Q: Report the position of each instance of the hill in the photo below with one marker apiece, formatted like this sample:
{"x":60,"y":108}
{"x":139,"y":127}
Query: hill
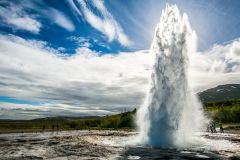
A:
{"x":221,"y":93}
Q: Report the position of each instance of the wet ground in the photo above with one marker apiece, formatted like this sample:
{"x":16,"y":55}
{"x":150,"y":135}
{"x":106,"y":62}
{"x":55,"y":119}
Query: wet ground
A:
{"x":110,"y":145}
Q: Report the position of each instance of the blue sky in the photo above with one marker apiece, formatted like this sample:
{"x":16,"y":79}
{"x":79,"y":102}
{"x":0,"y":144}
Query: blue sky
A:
{"x":81,"y":57}
{"x":213,"y":21}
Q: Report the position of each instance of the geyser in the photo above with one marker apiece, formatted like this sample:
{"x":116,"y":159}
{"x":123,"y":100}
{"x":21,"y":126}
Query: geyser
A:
{"x":171,"y":113}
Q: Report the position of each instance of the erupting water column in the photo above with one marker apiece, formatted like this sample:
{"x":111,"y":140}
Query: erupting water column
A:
{"x":171,"y":113}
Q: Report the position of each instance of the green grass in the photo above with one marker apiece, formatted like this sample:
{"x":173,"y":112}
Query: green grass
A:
{"x":224,"y":111}
{"x":118,"y":121}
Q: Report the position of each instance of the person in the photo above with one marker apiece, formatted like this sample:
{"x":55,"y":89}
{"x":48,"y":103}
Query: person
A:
{"x":57,"y":127}
{"x":221,"y":128}
{"x":213,"y":127}
{"x":43,"y":128}
{"x":208,"y":127}
{"x":53,"y":126}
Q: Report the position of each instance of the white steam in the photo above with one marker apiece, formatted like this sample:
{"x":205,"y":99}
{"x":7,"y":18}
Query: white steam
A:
{"x":171,"y":113}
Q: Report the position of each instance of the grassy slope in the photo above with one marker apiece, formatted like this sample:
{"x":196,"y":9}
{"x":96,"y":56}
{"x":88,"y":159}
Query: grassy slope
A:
{"x":118,"y":121}
{"x":224,"y":111}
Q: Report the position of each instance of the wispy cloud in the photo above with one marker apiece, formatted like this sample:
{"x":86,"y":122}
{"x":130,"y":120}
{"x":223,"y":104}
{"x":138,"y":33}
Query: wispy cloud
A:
{"x":105,"y":22}
{"x":54,"y":16}
{"x":60,"y":19}
{"x":81,"y":41}
{"x":15,"y":16}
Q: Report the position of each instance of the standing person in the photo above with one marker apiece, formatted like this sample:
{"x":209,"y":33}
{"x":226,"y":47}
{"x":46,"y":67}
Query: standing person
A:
{"x":208,"y":128}
{"x":211,"y":127}
{"x":214,"y":127}
{"x":53,"y":127}
{"x":221,"y":128}
{"x":43,"y":128}
{"x":57,"y":127}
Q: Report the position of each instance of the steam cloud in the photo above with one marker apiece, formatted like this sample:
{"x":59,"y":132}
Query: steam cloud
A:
{"x":171,"y":113}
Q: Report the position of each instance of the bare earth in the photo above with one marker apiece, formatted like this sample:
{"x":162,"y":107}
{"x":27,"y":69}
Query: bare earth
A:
{"x":110,"y":145}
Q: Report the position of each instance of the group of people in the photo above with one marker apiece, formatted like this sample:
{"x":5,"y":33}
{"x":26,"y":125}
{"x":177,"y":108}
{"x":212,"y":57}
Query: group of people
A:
{"x":212,"y":127}
{"x":54,"y":127}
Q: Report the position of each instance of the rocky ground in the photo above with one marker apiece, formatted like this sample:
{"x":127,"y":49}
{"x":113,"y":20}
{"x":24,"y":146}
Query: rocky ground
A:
{"x":110,"y":145}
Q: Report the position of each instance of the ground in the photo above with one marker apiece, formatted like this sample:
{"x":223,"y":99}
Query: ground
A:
{"x":111,"y":145}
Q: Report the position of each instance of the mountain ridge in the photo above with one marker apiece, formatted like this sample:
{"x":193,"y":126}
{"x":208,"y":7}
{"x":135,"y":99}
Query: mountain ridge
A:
{"x":220,"y":93}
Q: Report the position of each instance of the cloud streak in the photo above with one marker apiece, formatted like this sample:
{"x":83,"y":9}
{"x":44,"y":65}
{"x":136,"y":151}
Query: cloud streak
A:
{"x":105,"y":22}
{"x":60,"y":19}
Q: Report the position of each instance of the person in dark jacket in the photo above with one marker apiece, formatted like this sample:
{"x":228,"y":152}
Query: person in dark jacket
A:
{"x":221,"y":128}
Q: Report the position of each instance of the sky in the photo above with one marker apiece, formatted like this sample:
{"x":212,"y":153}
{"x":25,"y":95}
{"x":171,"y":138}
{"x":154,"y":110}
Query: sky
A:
{"x":91,"y":57}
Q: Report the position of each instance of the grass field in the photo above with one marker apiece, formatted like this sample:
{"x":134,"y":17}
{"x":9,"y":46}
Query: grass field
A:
{"x":118,"y":121}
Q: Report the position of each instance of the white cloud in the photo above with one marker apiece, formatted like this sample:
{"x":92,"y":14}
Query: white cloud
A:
{"x":53,"y":16}
{"x":220,"y":59}
{"x":60,"y":19}
{"x":219,"y":65}
{"x":28,"y":111}
{"x":15,"y":16}
{"x":74,"y":8}
{"x":81,"y":41}
{"x":30,"y":70}
{"x":104,"y":22}
{"x":99,"y":84}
